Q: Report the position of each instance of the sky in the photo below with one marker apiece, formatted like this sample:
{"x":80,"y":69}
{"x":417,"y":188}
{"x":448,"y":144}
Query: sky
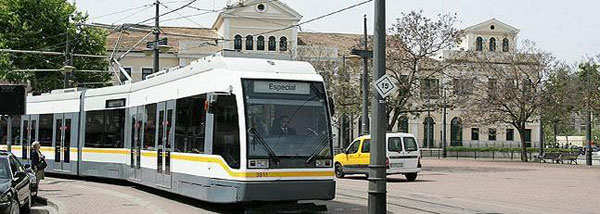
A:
{"x":569,"y":29}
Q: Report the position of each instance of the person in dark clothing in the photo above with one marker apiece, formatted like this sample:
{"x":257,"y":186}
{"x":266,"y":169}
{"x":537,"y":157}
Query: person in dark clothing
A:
{"x":283,"y":128}
{"x":36,"y":158}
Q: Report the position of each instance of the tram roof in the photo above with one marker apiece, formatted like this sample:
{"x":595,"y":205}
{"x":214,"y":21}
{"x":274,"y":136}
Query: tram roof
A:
{"x":215,"y":63}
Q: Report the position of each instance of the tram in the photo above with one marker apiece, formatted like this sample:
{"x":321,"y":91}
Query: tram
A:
{"x":222,"y":129}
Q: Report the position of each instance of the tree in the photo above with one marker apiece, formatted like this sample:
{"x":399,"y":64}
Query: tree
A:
{"x":45,"y":25}
{"x":414,"y":42}
{"x":507,"y":87}
{"x":560,"y":99}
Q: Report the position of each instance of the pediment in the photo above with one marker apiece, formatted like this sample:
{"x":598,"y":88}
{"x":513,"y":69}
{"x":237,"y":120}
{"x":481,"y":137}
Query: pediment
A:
{"x":492,"y":26}
{"x":272,"y":9}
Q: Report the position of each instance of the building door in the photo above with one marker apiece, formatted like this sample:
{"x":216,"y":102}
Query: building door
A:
{"x":65,"y":138}
{"x":165,"y":119}
{"x":456,"y":132}
{"x":428,"y":132}
{"x":135,"y":147}
{"x":29,"y":127}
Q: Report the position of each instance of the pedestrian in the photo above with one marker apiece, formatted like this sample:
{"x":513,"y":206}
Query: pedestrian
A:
{"x":38,"y":162}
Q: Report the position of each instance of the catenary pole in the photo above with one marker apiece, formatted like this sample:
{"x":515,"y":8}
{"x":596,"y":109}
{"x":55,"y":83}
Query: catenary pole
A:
{"x":377,"y":166}
{"x":365,"y":86}
{"x":156,"y":38}
{"x":588,"y":153}
{"x":444,"y":131}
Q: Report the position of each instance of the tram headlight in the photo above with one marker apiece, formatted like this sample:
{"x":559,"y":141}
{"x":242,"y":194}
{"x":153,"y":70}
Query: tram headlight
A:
{"x":258,"y":163}
{"x":324,"y":163}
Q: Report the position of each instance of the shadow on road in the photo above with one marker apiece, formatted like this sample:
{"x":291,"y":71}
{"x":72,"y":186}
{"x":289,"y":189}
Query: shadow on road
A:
{"x":389,"y":179}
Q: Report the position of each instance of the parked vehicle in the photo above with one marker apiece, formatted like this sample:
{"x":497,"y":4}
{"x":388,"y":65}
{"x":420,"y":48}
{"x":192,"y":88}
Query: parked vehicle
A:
{"x":402,"y":156}
{"x":15,"y":185}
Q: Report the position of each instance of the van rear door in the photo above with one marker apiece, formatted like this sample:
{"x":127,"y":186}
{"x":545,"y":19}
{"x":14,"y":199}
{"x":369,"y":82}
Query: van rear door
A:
{"x":411,"y":152}
{"x":395,"y":152}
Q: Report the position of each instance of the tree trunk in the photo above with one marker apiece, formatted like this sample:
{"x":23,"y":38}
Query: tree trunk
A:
{"x":555,"y":134}
{"x":523,"y":146}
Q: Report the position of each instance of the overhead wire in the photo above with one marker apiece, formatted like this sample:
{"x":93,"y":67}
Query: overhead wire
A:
{"x":168,"y":12}
{"x":121,"y":11}
{"x":165,"y":6}
{"x":209,"y":11}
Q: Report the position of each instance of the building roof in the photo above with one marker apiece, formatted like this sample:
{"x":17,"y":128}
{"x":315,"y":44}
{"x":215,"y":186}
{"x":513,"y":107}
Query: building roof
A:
{"x":493,"y":21}
{"x":344,"y":42}
{"x":130,"y":38}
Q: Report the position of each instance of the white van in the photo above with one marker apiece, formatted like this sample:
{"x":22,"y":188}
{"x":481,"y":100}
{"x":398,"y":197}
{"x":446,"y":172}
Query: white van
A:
{"x":403,"y":156}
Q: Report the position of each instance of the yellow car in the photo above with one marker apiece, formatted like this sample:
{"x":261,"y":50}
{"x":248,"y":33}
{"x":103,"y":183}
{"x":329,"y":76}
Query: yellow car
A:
{"x":403,"y":156}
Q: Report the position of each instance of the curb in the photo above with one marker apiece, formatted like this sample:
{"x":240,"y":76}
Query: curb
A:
{"x":49,"y":206}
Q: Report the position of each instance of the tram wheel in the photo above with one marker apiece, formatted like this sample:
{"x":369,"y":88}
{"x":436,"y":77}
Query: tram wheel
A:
{"x":339,"y":171}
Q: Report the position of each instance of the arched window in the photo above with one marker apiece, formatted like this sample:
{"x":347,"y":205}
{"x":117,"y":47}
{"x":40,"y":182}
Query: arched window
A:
{"x":272,"y":43}
{"x":283,"y":44}
{"x":237,"y":42}
{"x":479,"y":44}
{"x":428,"y":132}
{"x":260,"y":43}
{"x":403,"y":124}
{"x":249,"y":42}
{"x":456,"y":132}
{"x":492,"y":44}
{"x":505,"y":45}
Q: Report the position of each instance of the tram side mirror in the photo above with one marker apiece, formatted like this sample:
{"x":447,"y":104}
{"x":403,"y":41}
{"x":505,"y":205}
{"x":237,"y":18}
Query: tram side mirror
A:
{"x":331,"y":106}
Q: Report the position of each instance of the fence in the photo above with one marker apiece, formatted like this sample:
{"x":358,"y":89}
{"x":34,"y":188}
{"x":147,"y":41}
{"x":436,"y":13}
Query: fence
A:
{"x":478,"y":144}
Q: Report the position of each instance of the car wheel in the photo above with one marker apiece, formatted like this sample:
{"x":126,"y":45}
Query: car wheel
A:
{"x":339,"y":171}
{"x":27,"y":207}
{"x":411,"y":176}
{"x":14,"y":207}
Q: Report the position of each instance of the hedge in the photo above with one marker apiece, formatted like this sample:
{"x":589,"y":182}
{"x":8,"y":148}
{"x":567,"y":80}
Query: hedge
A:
{"x":494,"y":149}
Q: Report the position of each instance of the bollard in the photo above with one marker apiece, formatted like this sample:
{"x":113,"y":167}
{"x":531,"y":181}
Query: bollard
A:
{"x":475,"y":155}
{"x":456,"y":154}
{"x":511,"y":154}
{"x":493,"y":155}
{"x":438,"y":154}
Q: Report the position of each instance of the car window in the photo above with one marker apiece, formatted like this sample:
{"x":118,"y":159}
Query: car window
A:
{"x":13,"y":166}
{"x":4,"y":171}
{"x":366,"y":146}
{"x":353,"y":148}
{"x":410,"y":144}
{"x":394,"y":144}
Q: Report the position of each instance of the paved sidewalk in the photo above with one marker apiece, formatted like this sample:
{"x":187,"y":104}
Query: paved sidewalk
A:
{"x":80,"y":196}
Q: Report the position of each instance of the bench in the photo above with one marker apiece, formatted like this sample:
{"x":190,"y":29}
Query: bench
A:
{"x":553,"y":156}
{"x":570,"y":157}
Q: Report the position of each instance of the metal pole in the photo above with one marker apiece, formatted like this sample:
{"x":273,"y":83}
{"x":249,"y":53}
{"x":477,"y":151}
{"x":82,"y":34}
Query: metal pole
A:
{"x":67,"y":58}
{"x":541,"y":136}
{"x":444,"y":133}
{"x":588,"y":154}
{"x":156,"y":38}
{"x":377,"y":166}
{"x":365,"y":87}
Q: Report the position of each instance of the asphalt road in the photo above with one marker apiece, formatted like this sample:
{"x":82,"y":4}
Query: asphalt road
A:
{"x":445,"y":186}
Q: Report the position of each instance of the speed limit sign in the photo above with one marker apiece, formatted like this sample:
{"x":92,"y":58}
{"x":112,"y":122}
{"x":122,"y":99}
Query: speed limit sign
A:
{"x":385,"y":86}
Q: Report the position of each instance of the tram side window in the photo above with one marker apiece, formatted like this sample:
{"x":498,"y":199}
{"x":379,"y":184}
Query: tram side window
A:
{"x":149,"y":127}
{"x":105,"y":129}
{"x":45,"y":136}
{"x":226,"y":131}
{"x":189,"y":129}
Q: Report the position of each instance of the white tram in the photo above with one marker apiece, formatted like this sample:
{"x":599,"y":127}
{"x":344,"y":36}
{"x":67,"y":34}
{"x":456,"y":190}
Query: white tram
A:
{"x":222,"y":130}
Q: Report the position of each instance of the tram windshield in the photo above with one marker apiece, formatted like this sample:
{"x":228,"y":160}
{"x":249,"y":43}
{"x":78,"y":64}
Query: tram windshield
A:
{"x":287,"y":122}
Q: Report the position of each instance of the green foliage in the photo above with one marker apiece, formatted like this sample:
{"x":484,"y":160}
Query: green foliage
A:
{"x":494,"y":149}
{"x":44,"y":25}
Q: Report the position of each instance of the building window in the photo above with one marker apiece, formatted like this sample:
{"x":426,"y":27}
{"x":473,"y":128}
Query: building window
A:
{"x":272,"y":43}
{"x":189,"y":129}
{"x":492,"y":44}
{"x":510,"y":134}
{"x":491,"y":134}
{"x":492,"y":88}
{"x":283,"y":43}
{"x":146,"y":72}
{"x":456,"y":132}
{"x":462,"y":87}
{"x":249,"y":42}
{"x":260,"y":43}
{"x":237,"y":42}
{"x":475,"y":134}
{"x":528,"y":137}
{"x":505,"y":45}
{"x":479,"y":44}
{"x":430,"y":88}
{"x":403,"y":124}
{"x":428,"y":132}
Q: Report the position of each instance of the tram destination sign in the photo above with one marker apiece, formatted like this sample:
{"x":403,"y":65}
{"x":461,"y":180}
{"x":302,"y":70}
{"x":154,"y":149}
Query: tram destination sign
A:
{"x":277,"y":87}
{"x":12,"y":98}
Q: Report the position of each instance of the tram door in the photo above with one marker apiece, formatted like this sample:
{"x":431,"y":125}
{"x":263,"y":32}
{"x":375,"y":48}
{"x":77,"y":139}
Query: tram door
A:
{"x":166,"y":120}
{"x":65,"y":137}
{"x":135,"y":148}
{"x":29,"y":128}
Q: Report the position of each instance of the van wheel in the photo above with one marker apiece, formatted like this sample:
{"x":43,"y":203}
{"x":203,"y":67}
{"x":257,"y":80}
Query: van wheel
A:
{"x":339,"y":171}
{"x":411,"y":176}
